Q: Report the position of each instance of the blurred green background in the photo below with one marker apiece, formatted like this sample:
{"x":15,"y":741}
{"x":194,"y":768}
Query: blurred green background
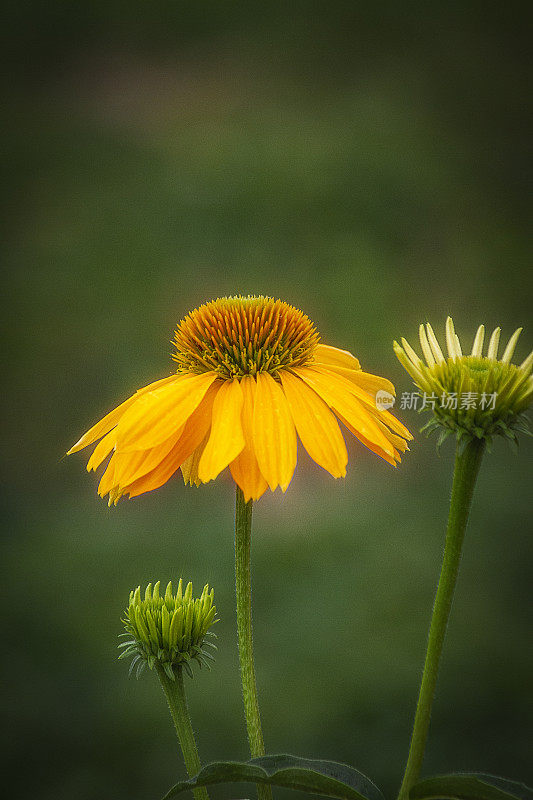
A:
{"x":367,"y":163}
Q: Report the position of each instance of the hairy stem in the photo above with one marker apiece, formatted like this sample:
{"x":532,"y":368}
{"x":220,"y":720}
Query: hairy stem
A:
{"x":243,"y":587}
{"x":177,"y":703}
{"x":467,"y":463}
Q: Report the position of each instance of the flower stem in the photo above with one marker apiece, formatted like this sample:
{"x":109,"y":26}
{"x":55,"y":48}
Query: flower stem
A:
{"x":467,"y":463}
{"x":175,"y":694}
{"x":243,"y":587}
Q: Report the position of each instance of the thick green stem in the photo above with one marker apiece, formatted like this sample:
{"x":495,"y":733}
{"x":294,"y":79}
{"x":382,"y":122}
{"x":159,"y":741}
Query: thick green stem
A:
{"x":175,"y":693}
{"x":243,"y":587}
{"x":467,"y":463}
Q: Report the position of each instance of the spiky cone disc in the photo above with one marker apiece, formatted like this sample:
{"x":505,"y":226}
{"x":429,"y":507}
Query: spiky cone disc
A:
{"x":168,"y":630}
{"x":474,"y":396}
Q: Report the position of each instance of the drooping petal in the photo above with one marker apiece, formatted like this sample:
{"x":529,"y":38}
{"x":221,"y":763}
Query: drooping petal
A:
{"x":332,"y":356}
{"x":365,"y":380}
{"x":178,"y":447}
{"x":226,"y":439}
{"x":107,"y":481}
{"x":398,"y":442}
{"x":394,"y":424}
{"x":133,"y":464}
{"x":111,"y":420}
{"x":155,"y":416}
{"x":194,"y":434}
{"x":387,"y":456}
{"x":153,"y":480}
{"x":316,"y":426}
{"x":338,"y":394}
{"x":367,"y":399}
{"x":245,"y":469}
{"x":274,"y":434}
{"x":189,"y":468}
{"x":101,"y":451}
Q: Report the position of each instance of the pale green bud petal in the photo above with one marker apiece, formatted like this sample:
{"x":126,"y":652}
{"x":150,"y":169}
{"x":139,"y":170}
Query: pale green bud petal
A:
{"x":493,"y":344}
{"x":509,"y":350}
{"x":426,"y":349}
{"x":527,"y":363}
{"x":477,"y":347}
{"x":435,"y":347}
{"x":450,"y":339}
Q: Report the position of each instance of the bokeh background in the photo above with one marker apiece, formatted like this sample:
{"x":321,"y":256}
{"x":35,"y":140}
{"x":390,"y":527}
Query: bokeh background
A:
{"x":368,"y":163}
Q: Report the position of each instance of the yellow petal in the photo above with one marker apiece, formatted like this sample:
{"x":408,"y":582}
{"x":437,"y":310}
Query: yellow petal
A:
{"x":274,"y":434}
{"x":156,"y":416}
{"x":101,"y":451}
{"x":368,"y":400}
{"x":365,"y":380}
{"x":332,"y":356}
{"x":177,"y":448}
{"x":397,"y":441}
{"x":153,"y":480}
{"x":245,"y":469}
{"x":133,"y":464}
{"x":394,"y":424}
{"x":193,"y":435}
{"x":110,"y":420}
{"x":107,"y":481}
{"x":316,"y":426}
{"x":338,"y":394}
{"x":226,"y":439}
{"x":386,"y":456}
{"x":189,"y":468}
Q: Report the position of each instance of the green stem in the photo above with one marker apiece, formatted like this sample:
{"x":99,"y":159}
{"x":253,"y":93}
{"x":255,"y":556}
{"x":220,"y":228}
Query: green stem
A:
{"x":467,"y":463}
{"x":175,"y":693}
{"x":243,"y":587}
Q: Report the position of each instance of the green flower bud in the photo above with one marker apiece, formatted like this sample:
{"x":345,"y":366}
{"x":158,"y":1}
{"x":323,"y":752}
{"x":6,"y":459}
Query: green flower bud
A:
{"x":473,"y":396}
{"x":168,"y":631}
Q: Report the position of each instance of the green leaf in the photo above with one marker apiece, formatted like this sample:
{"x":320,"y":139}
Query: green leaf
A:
{"x":326,"y":778}
{"x":469,"y":786}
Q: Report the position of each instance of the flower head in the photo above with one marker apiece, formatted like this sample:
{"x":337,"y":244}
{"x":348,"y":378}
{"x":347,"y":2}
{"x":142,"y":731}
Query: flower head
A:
{"x":168,"y":631}
{"x":251,"y":374}
{"x":474,"y":396}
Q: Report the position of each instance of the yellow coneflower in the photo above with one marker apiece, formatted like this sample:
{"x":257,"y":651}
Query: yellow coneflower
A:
{"x":473,"y":395}
{"x":251,"y":373}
